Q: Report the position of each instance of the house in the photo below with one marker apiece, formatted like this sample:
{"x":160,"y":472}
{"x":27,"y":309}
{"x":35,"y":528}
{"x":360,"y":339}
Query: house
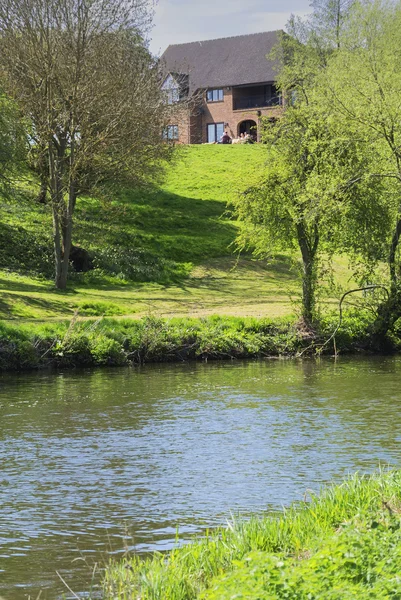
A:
{"x":220,"y":85}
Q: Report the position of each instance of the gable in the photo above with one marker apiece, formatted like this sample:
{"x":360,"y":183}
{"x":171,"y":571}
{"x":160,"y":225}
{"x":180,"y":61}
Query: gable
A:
{"x":170,"y":83}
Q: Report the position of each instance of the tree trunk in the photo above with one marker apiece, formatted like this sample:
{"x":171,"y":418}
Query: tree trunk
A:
{"x":389,"y":311}
{"x":308,"y":251}
{"x":42,"y":195}
{"x":338,"y":24}
{"x":308,"y":291}
{"x":61,"y":216}
{"x":56,"y":202}
{"x":393,"y":250}
{"x":67,"y":235}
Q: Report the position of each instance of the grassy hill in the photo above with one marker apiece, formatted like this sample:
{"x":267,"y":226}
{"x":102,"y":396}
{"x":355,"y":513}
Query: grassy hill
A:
{"x":165,"y":250}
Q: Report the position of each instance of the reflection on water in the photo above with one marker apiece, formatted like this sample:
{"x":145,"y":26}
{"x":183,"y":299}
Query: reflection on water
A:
{"x":92,"y":462}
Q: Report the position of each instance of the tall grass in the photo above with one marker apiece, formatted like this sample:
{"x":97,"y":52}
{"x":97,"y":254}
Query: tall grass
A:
{"x":108,"y":341}
{"x":346,"y":543}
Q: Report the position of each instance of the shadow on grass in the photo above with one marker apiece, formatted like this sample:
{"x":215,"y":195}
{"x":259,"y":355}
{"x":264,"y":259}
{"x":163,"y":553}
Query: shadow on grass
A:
{"x":10,"y":306}
{"x":170,"y":226}
{"x":280,"y":273}
{"x":47,"y":287}
{"x":21,"y":286}
{"x":25,"y":251}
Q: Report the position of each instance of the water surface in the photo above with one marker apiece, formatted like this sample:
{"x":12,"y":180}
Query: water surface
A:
{"x":92,"y":462}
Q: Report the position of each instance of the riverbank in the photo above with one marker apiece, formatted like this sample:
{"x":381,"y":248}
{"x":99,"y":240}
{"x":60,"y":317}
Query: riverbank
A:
{"x":114,"y":342}
{"x":346,"y":543}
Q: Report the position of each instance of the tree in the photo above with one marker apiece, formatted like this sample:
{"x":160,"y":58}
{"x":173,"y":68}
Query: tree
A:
{"x":363,"y":87}
{"x":312,"y":184}
{"x":301,"y":200}
{"x":80,"y":71}
{"x":304,"y":50}
{"x":329,"y":18}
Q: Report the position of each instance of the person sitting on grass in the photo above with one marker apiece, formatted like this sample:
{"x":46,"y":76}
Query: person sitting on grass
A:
{"x":248,"y":139}
{"x":225,"y":139}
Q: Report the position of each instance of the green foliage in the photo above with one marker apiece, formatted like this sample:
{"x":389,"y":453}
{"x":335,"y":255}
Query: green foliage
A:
{"x":361,"y":87}
{"x":151,"y":339}
{"x":354,"y":330}
{"x":303,"y":197}
{"x":359,"y":561}
{"x":100,"y":309}
{"x":25,"y":251}
{"x":106,"y":351}
{"x":344,"y":544}
{"x":137,"y":265}
{"x":12,"y":139}
{"x":155,"y":233}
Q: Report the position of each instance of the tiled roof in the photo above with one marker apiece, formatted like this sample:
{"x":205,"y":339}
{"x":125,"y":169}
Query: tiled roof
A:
{"x":230,"y":61}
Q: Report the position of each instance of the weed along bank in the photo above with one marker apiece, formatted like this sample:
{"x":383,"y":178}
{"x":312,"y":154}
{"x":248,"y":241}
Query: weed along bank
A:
{"x":228,"y":85}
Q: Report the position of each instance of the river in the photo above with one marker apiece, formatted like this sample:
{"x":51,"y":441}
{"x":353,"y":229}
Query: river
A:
{"x":96,"y":463}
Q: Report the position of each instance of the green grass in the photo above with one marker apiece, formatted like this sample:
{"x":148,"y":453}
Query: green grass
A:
{"x":217,"y":286}
{"x":123,"y":341}
{"x":164,"y":251}
{"x":127,"y":341}
{"x":346,"y":543}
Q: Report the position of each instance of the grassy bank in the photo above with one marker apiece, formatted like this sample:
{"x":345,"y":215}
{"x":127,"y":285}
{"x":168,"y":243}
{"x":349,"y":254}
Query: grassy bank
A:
{"x":346,"y":543}
{"x":143,"y":242}
{"x":109,"y":341}
{"x":167,"y":250}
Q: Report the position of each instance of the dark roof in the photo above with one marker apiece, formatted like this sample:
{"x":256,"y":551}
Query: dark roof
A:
{"x":230,"y":61}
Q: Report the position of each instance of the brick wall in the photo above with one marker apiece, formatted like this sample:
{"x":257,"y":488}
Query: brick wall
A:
{"x":193,"y":119}
{"x":222,"y":112}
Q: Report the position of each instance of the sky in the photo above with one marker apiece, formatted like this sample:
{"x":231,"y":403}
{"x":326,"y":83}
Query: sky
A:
{"x":180,"y":21}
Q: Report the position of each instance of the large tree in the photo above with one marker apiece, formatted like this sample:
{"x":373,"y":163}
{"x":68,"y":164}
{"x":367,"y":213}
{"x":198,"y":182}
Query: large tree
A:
{"x":304,"y":196}
{"x":80,"y":71}
{"x":315,"y":195}
{"x":362,"y":86}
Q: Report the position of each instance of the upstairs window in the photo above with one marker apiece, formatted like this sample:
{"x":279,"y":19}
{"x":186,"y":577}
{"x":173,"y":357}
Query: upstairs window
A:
{"x":215,"y":95}
{"x":172,"y":90}
{"x":173,"y":95}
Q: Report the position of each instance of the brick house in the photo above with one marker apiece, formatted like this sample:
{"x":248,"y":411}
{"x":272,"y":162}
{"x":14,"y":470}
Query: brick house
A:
{"x":220,"y":85}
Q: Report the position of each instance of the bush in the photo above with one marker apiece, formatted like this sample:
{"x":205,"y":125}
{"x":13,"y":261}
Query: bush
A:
{"x":119,"y":342}
{"x":26,"y":251}
{"x":106,"y":351}
{"x":98,"y":309}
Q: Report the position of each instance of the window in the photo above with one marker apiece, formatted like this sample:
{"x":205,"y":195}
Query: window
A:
{"x":170,"y":132}
{"x":215,"y":95}
{"x":214,"y":131}
{"x":173,"y":95}
{"x":172,"y":90}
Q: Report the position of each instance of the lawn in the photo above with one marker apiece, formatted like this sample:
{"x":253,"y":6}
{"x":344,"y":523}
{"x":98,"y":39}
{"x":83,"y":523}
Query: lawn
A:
{"x":167,"y":250}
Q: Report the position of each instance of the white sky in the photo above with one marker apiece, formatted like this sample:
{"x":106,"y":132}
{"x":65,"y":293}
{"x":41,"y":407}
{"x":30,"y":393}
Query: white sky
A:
{"x":179,"y":21}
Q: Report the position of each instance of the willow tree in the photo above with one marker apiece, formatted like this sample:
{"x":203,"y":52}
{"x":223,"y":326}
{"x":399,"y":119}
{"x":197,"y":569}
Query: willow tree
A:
{"x":309,"y":185}
{"x":80,"y":71}
{"x":363,"y":87}
{"x":313,"y":185}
